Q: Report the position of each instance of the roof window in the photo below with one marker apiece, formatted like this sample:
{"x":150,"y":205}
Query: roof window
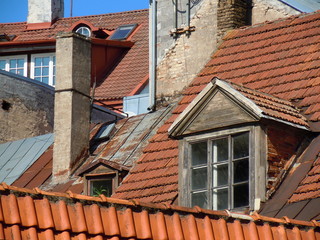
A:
{"x":123,"y":32}
{"x":85,"y":31}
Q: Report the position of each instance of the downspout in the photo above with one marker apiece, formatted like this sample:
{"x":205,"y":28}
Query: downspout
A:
{"x":152,"y":55}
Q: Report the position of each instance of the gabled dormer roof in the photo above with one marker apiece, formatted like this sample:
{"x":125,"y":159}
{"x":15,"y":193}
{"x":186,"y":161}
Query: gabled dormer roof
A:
{"x":236,"y":105}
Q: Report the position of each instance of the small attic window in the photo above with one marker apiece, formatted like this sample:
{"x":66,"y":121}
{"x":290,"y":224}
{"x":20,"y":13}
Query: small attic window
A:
{"x":123,"y":32}
{"x":85,"y":31}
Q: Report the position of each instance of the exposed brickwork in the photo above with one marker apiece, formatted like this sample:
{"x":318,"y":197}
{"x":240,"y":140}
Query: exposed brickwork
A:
{"x":232,"y":14}
{"x":283,"y":143}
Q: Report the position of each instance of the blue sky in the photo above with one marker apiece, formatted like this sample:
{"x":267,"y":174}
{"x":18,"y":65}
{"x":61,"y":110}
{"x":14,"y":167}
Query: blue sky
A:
{"x":17,"y":10}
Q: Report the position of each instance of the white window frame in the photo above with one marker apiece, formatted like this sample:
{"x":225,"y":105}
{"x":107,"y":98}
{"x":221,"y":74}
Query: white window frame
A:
{"x":257,"y":165}
{"x":51,"y":66}
{"x":80,"y":31}
{"x":8,"y":58}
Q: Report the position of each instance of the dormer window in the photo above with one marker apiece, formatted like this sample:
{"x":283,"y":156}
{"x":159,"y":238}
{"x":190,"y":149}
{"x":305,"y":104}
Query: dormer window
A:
{"x":85,"y":31}
{"x":123,"y":32}
{"x":218,"y":168}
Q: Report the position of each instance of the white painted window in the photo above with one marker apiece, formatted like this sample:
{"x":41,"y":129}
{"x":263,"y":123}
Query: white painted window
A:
{"x":43,"y":68}
{"x":85,"y":31}
{"x":15,"y":64}
{"x":219,"y":169}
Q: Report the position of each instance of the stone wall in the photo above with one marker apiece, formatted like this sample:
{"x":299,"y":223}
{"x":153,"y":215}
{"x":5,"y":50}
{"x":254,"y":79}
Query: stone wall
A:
{"x":181,"y":58}
{"x":26,"y":107}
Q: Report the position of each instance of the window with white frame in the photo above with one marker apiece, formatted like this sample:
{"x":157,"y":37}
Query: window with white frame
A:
{"x":220,"y":169}
{"x":14,"y":64}
{"x":43,"y":68}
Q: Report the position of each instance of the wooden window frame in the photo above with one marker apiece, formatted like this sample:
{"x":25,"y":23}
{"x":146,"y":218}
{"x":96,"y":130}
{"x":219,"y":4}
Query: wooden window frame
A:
{"x":257,"y":164}
{"x":89,"y":178}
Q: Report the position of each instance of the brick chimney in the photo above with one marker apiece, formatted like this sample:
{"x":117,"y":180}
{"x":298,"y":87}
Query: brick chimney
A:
{"x":72,"y":103}
{"x":44,"y":11}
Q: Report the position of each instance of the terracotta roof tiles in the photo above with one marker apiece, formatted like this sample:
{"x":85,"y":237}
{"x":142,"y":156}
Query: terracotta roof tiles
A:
{"x":132,"y":68}
{"x":278,"y":59}
{"x":30,"y":214}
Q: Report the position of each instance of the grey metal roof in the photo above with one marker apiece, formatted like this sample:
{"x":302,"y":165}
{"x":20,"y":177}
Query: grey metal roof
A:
{"x":303,"y":5}
{"x":16,"y":157}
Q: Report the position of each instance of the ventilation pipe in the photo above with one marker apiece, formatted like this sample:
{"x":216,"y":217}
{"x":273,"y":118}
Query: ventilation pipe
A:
{"x":152,"y":54}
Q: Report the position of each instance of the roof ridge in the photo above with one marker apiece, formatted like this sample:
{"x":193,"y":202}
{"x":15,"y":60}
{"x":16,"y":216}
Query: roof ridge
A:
{"x":255,"y":217}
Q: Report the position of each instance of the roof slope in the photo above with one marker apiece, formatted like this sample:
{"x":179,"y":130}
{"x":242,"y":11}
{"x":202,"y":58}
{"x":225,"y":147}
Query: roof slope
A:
{"x":280,"y":58}
{"x":125,"y":145}
{"x":34,"y":214}
{"x":133,"y":67}
{"x":16,"y":157}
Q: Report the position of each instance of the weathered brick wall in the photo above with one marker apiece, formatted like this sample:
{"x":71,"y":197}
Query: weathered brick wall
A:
{"x":180,"y":59}
{"x":283,"y":143}
{"x":26,"y":108}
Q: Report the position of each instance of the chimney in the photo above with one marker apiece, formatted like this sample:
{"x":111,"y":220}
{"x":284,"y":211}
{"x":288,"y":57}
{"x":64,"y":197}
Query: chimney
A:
{"x":72,"y":103}
{"x":45,"y":11}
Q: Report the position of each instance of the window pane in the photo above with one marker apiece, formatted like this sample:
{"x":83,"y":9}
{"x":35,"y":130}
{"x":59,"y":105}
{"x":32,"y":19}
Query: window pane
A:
{"x":45,"y":71}
{"x":101,"y":187}
{"x":220,"y":175}
{"x":199,"y":153}
{"x":37,"y":72}
{"x":20,"y":71}
{"x":220,"y":149}
{"x":241,"y":145}
{"x":199,"y":178}
{"x":37,"y":61}
{"x":20,"y":63}
{"x":220,"y":199}
{"x":45,"y":61}
{"x":241,"y":195}
{"x":2,"y":64}
{"x":37,"y":78}
{"x":199,"y":199}
{"x":241,"y":170}
{"x":45,"y":80}
{"x":13,"y":63}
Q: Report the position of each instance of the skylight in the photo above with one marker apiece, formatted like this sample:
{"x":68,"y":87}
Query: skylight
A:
{"x":123,"y":32}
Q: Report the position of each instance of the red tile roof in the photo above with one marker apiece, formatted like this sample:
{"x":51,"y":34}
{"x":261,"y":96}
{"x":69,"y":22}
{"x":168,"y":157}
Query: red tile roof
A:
{"x":279,"y":58}
{"x":34,"y":214}
{"x":132,"y":68}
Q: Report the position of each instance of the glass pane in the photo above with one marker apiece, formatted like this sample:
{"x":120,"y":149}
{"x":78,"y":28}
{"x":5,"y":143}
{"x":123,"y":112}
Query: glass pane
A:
{"x":37,"y":78}
{"x":199,"y":153}
{"x":199,"y":178}
{"x":241,"y":145}
{"x":20,"y":63}
{"x":241,"y":170}
{"x":241,"y":195}
{"x":45,"y":71}
{"x":2,"y":64}
{"x":220,"y":175}
{"x":220,"y":199}
{"x":38,"y":61}
{"x":220,"y":149}
{"x":101,"y":187}
{"x":13,"y":63}
{"x":37,"y":72}
{"x":199,"y":199}
{"x":45,"y":61}
{"x":45,"y":80}
{"x":20,"y":72}
{"x":13,"y":70}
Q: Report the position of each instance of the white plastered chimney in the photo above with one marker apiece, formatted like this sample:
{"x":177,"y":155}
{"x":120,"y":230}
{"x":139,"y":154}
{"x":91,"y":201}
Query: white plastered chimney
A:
{"x":42,"y":11}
